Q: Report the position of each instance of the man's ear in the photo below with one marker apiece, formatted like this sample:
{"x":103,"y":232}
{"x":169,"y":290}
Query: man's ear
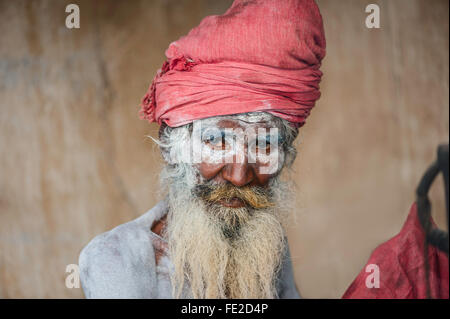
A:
{"x":161,"y":129}
{"x":164,"y":151}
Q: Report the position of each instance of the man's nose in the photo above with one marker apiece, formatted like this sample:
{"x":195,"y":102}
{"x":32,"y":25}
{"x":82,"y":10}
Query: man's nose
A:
{"x":239,"y":174}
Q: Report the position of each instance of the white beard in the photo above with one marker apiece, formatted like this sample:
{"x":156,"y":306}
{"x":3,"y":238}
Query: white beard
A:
{"x":219,"y":264}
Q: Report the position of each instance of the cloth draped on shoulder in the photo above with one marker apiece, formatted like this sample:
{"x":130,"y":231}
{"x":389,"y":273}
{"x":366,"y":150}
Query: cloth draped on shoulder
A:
{"x":401,"y":265}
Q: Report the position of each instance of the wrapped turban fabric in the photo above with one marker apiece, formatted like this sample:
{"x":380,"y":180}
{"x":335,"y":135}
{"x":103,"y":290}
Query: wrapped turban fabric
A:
{"x":261,"y":55}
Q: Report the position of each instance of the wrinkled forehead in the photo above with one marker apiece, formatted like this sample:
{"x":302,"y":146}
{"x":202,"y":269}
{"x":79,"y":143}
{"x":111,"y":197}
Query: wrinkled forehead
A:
{"x":247,"y":120}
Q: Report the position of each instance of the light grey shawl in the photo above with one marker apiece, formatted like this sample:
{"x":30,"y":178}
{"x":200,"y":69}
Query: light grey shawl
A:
{"x":121,"y":263}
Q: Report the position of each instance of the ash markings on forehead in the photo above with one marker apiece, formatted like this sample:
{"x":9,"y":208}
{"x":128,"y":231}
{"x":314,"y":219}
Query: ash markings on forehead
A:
{"x":246,"y":119}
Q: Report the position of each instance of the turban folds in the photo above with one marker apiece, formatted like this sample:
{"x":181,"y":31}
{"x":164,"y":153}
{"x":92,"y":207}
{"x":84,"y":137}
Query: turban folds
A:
{"x":261,"y":55}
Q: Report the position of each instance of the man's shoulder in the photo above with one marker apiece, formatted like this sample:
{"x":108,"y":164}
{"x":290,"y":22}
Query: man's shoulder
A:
{"x":128,"y":235}
{"x":120,"y":263}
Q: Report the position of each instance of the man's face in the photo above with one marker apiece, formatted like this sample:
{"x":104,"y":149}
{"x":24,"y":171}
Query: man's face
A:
{"x":225,"y":223}
{"x":239,"y":173}
{"x":242,"y":157}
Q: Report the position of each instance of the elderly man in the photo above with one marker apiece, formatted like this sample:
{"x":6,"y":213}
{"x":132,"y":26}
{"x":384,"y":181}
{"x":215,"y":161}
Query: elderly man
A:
{"x":230,"y":99}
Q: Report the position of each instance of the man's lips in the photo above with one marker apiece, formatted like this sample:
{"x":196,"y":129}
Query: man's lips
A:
{"x":234,"y":202}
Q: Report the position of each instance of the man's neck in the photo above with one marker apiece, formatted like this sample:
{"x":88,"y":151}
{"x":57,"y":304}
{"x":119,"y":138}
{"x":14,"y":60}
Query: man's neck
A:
{"x":157,"y":228}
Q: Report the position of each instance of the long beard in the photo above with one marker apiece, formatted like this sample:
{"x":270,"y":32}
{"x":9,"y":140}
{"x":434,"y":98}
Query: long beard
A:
{"x":222,"y":252}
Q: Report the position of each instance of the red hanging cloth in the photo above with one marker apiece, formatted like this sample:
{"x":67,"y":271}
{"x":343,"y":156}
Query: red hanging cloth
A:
{"x":401,"y":266}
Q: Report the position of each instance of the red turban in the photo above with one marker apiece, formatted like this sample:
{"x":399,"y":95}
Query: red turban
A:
{"x":261,"y":55}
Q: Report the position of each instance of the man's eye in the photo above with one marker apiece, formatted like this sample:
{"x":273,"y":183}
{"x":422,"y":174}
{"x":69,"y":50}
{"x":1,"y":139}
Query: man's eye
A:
{"x":213,"y":138}
{"x":263,"y":143}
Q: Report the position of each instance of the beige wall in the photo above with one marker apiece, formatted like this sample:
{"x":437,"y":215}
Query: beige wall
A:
{"x":75,"y":160}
